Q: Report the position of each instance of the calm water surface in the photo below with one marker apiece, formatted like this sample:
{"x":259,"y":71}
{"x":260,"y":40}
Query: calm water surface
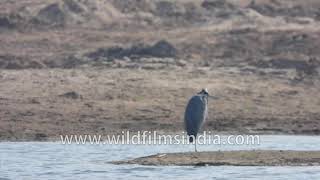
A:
{"x":53,"y":160}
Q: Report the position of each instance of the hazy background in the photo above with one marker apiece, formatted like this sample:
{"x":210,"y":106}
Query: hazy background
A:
{"x":103,"y":66}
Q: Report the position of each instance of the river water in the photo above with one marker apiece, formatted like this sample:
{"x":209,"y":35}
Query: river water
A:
{"x":53,"y":160}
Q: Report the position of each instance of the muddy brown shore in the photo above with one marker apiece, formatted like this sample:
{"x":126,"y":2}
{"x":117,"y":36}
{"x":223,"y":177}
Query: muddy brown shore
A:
{"x":231,"y":158}
{"x":43,"y":104}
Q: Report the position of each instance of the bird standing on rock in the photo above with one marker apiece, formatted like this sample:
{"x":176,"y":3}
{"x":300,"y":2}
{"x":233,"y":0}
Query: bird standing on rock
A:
{"x":196,"y":114}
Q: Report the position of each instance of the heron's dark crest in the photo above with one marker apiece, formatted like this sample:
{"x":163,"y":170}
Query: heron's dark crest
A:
{"x":204,"y":92}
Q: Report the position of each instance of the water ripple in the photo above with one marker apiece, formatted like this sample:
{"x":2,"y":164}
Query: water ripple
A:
{"x":49,"y":160}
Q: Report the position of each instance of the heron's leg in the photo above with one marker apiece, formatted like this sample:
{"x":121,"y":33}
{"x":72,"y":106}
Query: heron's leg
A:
{"x":195,"y":146}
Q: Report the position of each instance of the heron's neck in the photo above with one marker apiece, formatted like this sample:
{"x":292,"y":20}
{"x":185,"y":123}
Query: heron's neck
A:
{"x":204,"y":98}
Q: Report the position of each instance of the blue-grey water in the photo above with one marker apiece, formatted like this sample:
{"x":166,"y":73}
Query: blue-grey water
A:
{"x":53,"y":160}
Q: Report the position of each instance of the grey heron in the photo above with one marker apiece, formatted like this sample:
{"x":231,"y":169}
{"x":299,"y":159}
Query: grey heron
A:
{"x":195,"y":114}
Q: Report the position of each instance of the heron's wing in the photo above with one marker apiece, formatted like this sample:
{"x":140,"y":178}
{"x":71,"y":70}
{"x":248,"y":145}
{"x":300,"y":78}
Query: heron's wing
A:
{"x":194,"y":115}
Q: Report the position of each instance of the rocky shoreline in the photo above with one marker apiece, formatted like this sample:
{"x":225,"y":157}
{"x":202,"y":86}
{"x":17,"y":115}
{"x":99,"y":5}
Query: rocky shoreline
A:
{"x":230,"y":158}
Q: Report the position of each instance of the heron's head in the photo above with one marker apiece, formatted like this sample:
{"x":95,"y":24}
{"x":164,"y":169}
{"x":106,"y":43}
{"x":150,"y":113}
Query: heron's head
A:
{"x":204,"y":92}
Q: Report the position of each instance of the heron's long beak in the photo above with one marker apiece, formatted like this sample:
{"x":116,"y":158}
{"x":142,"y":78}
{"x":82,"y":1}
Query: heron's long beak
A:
{"x":213,"y":97}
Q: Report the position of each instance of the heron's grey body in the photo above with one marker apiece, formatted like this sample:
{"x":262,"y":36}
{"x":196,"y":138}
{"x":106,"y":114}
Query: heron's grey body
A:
{"x":196,"y":113}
